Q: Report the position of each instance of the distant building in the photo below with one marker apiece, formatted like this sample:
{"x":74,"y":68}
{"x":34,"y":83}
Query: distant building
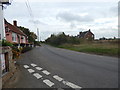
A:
{"x":88,"y":35}
{"x":14,"y":34}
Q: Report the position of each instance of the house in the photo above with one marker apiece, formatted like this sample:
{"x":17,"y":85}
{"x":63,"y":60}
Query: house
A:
{"x":14,"y":34}
{"x":88,"y":35}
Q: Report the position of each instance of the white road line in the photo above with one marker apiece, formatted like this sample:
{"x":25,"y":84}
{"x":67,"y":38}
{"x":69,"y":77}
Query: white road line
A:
{"x":71,"y":85}
{"x":46,"y":72}
{"x":31,"y":70}
{"x":34,"y":65}
{"x":57,"y":78}
{"x":26,"y":66}
{"x":37,"y":75}
{"x":38,"y":68}
{"x":48,"y":82}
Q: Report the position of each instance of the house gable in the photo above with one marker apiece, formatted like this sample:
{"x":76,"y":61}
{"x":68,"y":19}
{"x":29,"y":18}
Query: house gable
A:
{"x":14,"y":34}
{"x":86,"y":35}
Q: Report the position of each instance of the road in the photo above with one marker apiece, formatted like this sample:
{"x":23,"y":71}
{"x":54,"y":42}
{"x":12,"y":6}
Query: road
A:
{"x":47,"y":66}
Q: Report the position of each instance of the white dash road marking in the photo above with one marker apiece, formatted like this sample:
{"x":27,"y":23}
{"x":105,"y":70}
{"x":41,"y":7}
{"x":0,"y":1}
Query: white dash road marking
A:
{"x":37,"y":75}
{"x":31,"y":70}
{"x":38,"y":68}
{"x":46,"y":72}
{"x":57,"y":78}
{"x":48,"y":82}
{"x":71,"y":85}
{"x":26,"y":66}
{"x":34,"y":65}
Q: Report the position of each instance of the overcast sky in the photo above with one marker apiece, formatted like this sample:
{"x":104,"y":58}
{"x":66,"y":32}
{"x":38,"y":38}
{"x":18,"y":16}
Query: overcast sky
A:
{"x":69,"y":16}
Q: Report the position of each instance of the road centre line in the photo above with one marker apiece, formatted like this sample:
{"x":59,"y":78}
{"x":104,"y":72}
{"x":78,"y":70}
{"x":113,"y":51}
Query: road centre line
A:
{"x":57,"y":78}
{"x":31,"y":70}
{"x":71,"y":85}
{"x":34,"y":65}
{"x":48,"y":82}
{"x":26,"y":66}
{"x":37,"y":75}
{"x":38,"y":68}
{"x":46,"y":72}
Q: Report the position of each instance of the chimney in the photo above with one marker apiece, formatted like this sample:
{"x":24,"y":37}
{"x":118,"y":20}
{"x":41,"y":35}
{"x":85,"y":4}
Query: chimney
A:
{"x":89,"y":30}
{"x":80,"y":33}
{"x":15,"y":23}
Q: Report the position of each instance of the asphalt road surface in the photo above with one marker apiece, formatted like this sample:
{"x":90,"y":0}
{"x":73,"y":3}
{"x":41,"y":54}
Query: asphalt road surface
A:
{"x":50,"y":67}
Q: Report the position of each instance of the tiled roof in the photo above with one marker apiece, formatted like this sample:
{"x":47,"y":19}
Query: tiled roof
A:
{"x":14,"y":28}
{"x":84,"y":33}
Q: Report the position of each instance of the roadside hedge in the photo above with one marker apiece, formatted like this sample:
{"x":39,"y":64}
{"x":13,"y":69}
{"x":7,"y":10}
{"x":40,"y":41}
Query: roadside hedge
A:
{"x":6,"y":43}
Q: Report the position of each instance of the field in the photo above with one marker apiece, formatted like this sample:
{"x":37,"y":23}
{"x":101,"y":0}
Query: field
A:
{"x":110,"y":49}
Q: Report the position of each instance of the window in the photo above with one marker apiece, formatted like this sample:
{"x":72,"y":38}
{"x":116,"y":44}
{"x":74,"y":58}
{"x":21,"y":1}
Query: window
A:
{"x":23,"y":39}
{"x":14,"y":37}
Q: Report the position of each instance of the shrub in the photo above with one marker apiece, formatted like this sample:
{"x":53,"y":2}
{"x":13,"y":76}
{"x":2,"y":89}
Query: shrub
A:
{"x":16,"y":52}
{"x":6,"y":43}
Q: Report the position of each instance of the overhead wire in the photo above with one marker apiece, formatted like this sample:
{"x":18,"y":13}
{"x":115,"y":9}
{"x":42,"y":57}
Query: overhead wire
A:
{"x":30,"y":12}
{"x":31,"y":15}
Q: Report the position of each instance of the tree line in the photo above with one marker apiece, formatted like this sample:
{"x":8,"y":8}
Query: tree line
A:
{"x":62,"y":38}
{"x":31,"y":35}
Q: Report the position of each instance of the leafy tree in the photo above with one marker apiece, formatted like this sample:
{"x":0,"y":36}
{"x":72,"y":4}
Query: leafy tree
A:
{"x":31,"y":35}
{"x":61,"y":38}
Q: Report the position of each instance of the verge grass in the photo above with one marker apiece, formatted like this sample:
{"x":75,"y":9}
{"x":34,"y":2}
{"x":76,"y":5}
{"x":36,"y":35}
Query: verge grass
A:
{"x":94,"y":48}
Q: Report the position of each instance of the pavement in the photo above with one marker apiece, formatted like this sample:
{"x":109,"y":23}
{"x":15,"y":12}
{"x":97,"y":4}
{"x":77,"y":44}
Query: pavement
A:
{"x":50,"y":67}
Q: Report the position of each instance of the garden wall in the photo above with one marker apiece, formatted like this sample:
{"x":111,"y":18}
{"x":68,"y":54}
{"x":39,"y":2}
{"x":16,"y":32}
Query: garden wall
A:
{"x":7,"y":64}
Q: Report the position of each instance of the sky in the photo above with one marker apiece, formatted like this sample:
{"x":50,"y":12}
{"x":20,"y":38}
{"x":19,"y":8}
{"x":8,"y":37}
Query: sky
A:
{"x":69,"y":16}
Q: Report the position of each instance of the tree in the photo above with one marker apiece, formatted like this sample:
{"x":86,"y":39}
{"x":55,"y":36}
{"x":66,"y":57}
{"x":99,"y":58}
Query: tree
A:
{"x":61,"y":38}
{"x":31,"y":35}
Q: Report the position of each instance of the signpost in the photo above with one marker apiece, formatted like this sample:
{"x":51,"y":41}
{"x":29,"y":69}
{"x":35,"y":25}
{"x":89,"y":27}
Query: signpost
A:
{"x":2,"y":35}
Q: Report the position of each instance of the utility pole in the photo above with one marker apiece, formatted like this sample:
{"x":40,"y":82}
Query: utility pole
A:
{"x":2,"y":29}
{"x":38,"y":34}
{"x":2,"y":34}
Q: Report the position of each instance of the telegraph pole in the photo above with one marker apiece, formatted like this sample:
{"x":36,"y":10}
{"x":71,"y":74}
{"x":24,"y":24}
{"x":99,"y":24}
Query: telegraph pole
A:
{"x":2,"y":29}
{"x":2,"y":25}
{"x":2,"y":34}
{"x":1,"y":37}
{"x":38,"y":34}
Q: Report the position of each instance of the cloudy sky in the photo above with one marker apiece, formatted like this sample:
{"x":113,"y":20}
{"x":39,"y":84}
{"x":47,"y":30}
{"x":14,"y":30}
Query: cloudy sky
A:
{"x":69,"y":16}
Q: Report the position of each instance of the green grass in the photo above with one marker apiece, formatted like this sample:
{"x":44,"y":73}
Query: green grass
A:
{"x":101,"y":49}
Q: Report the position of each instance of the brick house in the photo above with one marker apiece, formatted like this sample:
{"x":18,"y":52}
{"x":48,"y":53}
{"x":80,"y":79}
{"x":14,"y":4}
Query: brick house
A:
{"x":88,"y":35}
{"x":14,"y":34}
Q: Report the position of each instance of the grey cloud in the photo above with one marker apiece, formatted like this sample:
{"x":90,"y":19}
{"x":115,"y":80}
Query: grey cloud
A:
{"x":37,"y":22}
{"x":70,"y":17}
{"x":72,"y":25}
{"x":114,"y":10}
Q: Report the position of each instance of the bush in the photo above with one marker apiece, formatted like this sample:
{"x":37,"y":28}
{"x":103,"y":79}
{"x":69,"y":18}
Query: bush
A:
{"x":25,"y":49}
{"x":16,"y":52}
{"x":61,"y":38}
{"x":6,"y":43}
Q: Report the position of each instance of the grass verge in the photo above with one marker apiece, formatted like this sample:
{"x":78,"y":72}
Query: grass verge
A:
{"x":100,"y":48}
